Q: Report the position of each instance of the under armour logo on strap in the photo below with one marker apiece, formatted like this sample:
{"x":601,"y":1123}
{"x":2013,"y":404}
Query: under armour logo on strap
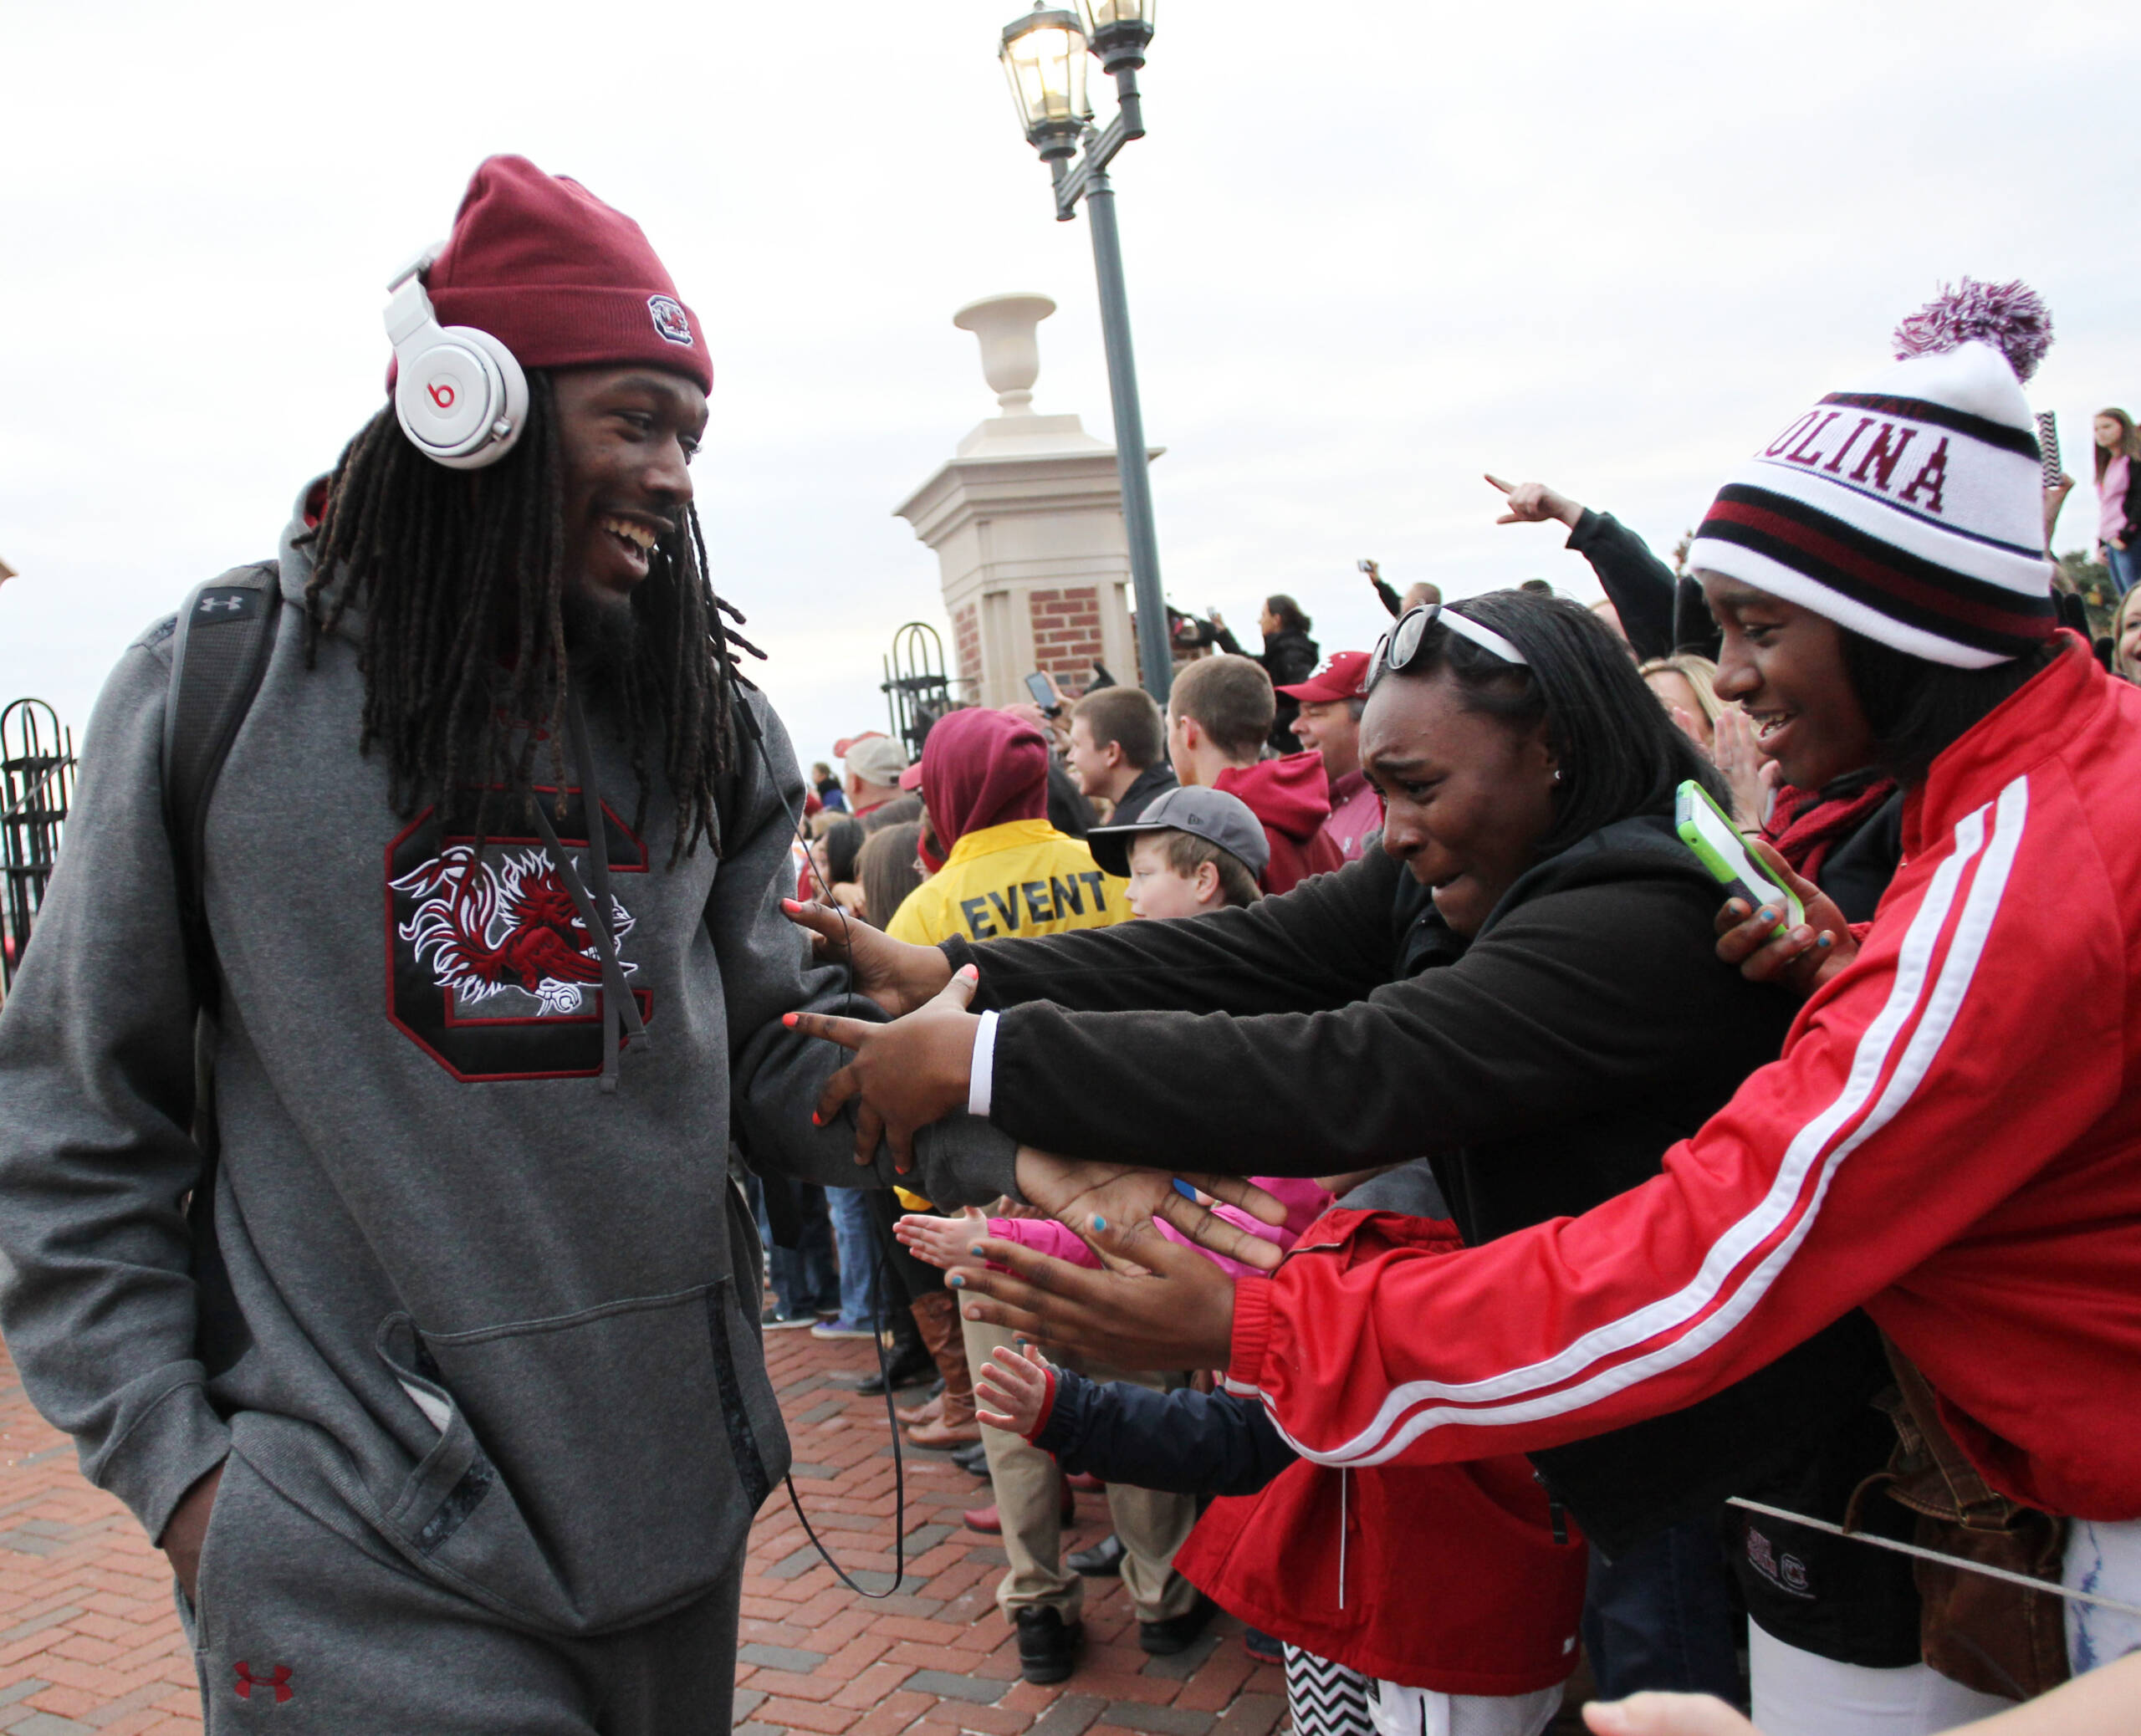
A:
{"x":210,"y":605}
{"x":276,"y":1681}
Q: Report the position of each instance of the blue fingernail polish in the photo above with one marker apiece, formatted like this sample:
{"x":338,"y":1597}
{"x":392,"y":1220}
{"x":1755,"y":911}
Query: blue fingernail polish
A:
{"x":956,"y":1281}
{"x":976,"y":1249}
{"x":1099,"y":1223}
{"x":1767,"y":914}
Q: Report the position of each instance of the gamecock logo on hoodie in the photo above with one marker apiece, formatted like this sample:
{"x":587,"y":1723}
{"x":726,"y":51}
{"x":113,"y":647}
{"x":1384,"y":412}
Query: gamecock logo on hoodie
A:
{"x":490,"y":969}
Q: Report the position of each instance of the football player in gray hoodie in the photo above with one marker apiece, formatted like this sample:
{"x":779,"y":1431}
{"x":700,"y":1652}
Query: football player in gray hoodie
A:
{"x":444,"y":1398}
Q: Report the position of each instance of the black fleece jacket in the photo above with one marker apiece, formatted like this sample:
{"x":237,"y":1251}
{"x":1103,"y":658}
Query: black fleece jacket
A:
{"x":1542,"y":1068}
{"x":1586,"y":1029}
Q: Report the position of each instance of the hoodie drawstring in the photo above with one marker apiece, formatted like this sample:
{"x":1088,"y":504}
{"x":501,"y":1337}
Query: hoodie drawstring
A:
{"x":621,"y":1023}
{"x":1341,"y":1536}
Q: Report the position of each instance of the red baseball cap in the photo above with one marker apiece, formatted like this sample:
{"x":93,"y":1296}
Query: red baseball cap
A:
{"x":1338,"y":678}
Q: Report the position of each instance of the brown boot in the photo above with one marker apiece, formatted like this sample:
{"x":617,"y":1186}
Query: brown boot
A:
{"x":927,"y":1412}
{"x":938,"y":1316}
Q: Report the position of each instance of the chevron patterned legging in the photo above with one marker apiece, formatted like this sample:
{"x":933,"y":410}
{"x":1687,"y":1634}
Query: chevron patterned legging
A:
{"x":1326,"y":1698}
{"x":1332,"y":1699}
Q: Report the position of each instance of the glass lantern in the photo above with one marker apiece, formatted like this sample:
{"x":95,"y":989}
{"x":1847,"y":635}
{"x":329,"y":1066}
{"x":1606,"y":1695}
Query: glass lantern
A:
{"x":1121,"y":29}
{"x":1043,"y":56}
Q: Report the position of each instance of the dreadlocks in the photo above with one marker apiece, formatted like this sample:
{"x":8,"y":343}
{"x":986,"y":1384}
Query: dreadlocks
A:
{"x":459,"y":579}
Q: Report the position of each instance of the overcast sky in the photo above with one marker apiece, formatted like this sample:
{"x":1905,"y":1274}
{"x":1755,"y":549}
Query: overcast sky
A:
{"x":1372,"y":248}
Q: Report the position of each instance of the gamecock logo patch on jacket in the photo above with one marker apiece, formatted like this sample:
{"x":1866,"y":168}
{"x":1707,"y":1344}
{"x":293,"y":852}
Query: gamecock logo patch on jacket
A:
{"x":490,"y":969}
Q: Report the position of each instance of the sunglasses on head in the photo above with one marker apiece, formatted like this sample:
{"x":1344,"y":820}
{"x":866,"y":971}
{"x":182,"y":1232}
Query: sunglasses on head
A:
{"x":1401,"y":644}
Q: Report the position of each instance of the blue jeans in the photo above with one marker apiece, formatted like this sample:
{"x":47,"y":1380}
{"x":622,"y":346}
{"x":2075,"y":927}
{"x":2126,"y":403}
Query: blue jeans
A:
{"x":2125,"y":564}
{"x":1660,"y":1616}
{"x":858,"y":1245}
{"x":803,"y":1280}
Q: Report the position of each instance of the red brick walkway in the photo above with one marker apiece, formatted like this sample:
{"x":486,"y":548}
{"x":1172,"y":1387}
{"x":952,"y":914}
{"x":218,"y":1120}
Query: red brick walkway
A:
{"x":88,"y":1640}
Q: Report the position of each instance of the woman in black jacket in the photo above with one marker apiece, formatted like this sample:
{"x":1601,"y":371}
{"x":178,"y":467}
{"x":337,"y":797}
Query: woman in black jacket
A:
{"x":1289,"y":655}
{"x":1523,"y":984}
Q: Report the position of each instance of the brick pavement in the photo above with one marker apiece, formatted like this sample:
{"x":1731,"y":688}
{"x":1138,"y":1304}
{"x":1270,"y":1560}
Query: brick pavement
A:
{"x":90,"y":1642}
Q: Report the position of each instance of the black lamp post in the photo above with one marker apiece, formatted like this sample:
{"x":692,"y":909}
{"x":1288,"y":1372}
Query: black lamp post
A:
{"x":1043,"y":56}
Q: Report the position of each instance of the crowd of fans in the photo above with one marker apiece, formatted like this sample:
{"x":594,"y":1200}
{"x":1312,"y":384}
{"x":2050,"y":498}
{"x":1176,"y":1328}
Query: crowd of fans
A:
{"x":1336,"y":1110}
{"x":1543,"y":1006}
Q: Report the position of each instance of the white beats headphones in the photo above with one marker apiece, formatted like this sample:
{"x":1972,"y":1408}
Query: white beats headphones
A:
{"x":458,"y":394}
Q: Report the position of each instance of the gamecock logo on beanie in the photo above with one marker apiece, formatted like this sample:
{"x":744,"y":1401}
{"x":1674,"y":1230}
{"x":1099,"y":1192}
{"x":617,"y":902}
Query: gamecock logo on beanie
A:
{"x":670,"y":318}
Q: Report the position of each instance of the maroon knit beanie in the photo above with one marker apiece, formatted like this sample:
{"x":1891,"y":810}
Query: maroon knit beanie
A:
{"x":559,"y":279}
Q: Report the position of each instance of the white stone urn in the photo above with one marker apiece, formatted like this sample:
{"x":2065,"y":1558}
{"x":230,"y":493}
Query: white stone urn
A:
{"x":1010,"y":355}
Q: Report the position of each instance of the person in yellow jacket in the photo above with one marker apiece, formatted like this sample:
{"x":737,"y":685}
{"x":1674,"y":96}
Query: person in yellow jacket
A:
{"x":1008,"y":873}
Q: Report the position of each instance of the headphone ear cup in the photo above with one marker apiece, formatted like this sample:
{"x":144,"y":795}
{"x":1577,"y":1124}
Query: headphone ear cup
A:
{"x":460,"y":396}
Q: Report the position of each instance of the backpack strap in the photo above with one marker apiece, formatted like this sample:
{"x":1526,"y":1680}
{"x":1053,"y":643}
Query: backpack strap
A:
{"x":219,"y":654}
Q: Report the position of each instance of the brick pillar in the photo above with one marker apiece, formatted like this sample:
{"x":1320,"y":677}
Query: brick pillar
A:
{"x":1067,"y":634}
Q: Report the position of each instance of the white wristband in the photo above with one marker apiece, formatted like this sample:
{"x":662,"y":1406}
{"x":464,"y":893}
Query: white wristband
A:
{"x":981,"y":1079}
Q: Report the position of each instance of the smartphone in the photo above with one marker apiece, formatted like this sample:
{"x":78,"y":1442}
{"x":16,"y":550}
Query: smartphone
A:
{"x":1045,"y":694}
{"x":2048,"y":444}
{"x":1707,"y":830}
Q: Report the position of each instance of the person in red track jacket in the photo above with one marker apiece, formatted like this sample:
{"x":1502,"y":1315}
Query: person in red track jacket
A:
{"x":1950,"y":1138}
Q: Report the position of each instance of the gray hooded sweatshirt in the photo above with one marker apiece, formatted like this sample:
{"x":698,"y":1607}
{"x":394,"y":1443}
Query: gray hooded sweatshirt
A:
{"x":484,"y":1318}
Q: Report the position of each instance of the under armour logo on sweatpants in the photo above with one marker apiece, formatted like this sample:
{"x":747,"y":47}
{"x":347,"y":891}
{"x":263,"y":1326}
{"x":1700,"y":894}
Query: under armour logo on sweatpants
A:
{"x":277,"y":1680}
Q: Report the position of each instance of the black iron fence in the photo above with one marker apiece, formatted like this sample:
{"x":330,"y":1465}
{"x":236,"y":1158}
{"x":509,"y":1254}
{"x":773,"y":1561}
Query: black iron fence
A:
{"x":37,"y":786}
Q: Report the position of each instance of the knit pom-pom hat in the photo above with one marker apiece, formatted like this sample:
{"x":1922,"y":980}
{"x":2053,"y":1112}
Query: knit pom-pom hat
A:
{"x":1911,"y":508}
{"x":560,"y":279}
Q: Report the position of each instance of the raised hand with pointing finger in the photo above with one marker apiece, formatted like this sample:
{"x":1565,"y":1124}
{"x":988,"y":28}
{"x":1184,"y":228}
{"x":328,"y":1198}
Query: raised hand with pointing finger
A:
{"x":1536,"y":503}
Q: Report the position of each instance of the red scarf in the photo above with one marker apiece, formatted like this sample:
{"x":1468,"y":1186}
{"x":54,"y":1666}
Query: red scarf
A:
{"x":1804,"y":825}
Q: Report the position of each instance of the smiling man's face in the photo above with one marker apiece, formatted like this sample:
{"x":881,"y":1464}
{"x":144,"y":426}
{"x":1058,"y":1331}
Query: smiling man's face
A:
{"x":627,"y":436}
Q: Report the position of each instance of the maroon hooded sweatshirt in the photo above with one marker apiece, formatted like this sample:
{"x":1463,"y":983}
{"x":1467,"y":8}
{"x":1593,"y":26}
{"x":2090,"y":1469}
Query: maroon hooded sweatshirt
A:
{"x":1291,"y":798}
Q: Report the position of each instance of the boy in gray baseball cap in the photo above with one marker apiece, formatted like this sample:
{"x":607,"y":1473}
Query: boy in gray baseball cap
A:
{"x":1191,"y":851}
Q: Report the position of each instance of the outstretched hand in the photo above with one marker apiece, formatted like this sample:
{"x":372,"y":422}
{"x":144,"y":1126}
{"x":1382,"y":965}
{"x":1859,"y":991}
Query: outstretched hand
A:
{"x":1802,"y":959}
{"x":1010,"y":1390}
{"x":898,"y":976}
{"x":1155,"y":1304}
{"x":1079,"y":1194}
{"x":941,"y":1242}
{"x":905,"y":1075}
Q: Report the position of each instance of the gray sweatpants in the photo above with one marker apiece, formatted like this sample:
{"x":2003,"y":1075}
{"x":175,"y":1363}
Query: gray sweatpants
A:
{"x":300,"y":1633}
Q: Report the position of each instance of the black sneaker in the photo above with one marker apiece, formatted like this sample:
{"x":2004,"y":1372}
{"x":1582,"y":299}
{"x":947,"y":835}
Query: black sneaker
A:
{"x":910,"y":1368}
{"x":1047,"y":1645}
{"x":972,"y":1460}
{"x":1102,"y":1561}
{"x":772,"y":1319}
{"x":1178,"y":1633}
{"x":1261,"y":1646}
